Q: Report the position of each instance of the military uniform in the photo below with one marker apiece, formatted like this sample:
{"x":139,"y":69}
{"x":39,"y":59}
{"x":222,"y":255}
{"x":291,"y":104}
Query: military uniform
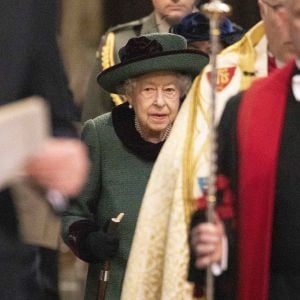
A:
{"x":97,"y":100}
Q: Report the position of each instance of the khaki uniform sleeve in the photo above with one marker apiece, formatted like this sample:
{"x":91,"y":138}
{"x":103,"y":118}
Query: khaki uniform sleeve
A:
{"x":98,"y":101}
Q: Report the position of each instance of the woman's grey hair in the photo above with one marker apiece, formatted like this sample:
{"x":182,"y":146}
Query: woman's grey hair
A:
{"x":129,"y":85}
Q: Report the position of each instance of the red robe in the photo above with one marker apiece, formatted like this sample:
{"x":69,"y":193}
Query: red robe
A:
{"x":260,"y":123}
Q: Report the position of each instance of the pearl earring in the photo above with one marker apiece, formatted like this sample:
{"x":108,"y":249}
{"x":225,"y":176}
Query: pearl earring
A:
{"x":130,"y":106}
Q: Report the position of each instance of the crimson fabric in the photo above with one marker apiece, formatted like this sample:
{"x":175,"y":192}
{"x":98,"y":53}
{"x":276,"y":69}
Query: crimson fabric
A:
{"x":260,"y":123}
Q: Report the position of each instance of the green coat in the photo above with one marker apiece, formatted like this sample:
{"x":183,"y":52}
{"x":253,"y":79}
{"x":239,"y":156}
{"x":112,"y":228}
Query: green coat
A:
{"x":97,"y":100}
{"x":116,"y":184}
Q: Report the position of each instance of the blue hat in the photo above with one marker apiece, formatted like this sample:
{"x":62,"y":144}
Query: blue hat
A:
{"x":230,"y":32}
{"x":195,"y":27}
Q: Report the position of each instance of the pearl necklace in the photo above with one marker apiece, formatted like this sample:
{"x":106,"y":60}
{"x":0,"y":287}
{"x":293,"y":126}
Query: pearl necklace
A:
{"x":139,"y":130}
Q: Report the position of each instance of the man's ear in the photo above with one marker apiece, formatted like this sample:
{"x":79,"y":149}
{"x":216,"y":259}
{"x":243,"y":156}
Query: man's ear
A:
{"x":261,"y":9}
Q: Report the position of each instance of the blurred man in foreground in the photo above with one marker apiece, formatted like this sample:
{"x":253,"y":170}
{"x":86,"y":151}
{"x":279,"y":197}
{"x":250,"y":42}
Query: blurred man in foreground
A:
{"x":30,"y":65}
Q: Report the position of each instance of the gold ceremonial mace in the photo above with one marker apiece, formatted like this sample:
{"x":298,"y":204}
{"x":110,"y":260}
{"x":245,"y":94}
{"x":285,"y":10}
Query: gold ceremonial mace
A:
{"x":104,"y":274}
{"x":215,"y":10}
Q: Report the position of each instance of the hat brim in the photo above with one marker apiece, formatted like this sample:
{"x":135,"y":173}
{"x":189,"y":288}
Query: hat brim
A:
{"x":189,"y":62}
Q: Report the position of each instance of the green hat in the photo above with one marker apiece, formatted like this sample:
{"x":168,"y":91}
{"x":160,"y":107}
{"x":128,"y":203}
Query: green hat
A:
{"x":151,"y":53}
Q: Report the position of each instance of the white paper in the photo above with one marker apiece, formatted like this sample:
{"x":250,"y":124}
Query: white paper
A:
{"x":24,"y":125}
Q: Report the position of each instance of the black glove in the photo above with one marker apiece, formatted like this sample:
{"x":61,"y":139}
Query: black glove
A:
{"x":100,"y":246}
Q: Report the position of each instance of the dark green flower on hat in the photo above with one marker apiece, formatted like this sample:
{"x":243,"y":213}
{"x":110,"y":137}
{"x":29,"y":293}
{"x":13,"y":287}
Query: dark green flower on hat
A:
{"x":139,"y":47}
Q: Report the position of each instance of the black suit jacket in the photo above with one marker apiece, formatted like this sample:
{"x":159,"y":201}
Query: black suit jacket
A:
{"x":30,"y":64}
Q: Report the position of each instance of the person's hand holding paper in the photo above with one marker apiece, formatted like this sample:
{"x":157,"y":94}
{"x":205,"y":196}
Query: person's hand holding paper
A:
{"x":60,"y":165}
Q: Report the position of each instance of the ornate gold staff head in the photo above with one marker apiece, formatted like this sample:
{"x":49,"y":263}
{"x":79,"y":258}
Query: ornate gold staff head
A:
{"x":216,"y":9}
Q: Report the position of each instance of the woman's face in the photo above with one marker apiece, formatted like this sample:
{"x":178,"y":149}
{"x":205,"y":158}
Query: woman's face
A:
{"x":155,"y":99}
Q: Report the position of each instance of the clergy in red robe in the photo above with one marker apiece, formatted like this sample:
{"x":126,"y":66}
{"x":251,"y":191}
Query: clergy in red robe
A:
{"x":259,"y":152}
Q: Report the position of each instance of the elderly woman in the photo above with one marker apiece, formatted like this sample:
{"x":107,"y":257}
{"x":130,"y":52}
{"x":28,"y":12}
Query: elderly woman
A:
{"x":154,"y":75}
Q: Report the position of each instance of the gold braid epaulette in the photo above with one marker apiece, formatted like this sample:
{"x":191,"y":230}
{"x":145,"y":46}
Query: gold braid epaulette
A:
{"x":107,"y":61}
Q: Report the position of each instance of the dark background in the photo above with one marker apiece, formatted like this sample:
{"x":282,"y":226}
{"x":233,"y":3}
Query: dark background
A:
{"x":245,"y":12}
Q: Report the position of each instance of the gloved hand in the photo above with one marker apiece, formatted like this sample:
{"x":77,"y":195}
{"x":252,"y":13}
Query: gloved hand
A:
{"x":100,"y":246}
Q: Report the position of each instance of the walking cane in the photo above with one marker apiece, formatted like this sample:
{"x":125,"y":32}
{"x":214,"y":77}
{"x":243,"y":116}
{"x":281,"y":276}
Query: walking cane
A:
{"x":104,"y":273}
{"x":214,"y":10}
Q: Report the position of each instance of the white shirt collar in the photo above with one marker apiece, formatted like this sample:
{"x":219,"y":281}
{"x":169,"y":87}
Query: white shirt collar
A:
{"x":296,"y":83}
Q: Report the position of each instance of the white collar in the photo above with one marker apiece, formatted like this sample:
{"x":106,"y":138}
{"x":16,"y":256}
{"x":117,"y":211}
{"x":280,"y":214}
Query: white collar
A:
{"x":296,"y":83}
